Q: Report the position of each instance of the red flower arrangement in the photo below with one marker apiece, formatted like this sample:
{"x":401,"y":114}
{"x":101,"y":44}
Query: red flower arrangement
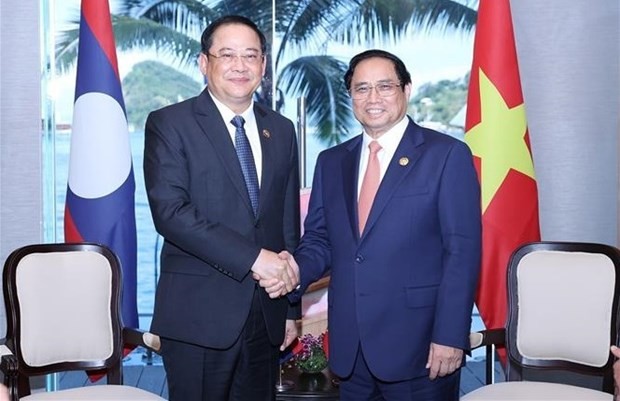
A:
{"x":310,"y":353}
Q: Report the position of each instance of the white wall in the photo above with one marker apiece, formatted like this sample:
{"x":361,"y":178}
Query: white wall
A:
{"x":569,"y":60}
{"x":20,"y":129}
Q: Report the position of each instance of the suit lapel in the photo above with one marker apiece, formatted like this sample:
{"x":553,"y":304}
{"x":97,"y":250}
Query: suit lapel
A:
{"x":350,"y":165}
{"x":268,"y":152}
{"x":404,"y":160}
{"x":214,"y":128}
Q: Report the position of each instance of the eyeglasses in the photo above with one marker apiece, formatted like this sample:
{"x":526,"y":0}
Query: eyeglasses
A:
{"x":384,"y":89}
{"x":229,"y":58}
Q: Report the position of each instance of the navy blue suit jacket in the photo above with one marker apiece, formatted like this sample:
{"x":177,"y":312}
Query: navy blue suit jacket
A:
{"x":201,"y":207}
{"x":410,"y":279}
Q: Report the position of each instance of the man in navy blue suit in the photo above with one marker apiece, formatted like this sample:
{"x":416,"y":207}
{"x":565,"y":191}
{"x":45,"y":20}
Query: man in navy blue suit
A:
{"x":395,"y":215}
{"x":222,"y":179}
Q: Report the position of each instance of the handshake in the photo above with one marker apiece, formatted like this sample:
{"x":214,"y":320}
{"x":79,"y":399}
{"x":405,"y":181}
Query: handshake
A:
{"x":277,"y":273}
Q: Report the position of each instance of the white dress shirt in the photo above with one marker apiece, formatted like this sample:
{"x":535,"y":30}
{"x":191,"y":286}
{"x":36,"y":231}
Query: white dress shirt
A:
{"x":389,"y":142}
{"x":251,"y":131}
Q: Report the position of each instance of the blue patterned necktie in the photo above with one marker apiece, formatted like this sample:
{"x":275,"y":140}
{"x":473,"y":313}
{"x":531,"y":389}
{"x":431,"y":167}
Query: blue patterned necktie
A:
{"x":244,"y":153}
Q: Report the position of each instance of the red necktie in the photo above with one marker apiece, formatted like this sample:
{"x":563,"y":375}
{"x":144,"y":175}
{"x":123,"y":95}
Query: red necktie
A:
{"x":370,"y":184}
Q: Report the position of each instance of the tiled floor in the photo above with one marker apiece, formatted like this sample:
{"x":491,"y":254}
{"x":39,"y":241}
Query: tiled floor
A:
{"x":152,"y":377}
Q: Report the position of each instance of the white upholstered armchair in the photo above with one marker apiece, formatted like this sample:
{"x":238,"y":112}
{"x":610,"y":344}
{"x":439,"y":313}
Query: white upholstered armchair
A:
{"x":563,"y":316}
{"x":63,"y":314}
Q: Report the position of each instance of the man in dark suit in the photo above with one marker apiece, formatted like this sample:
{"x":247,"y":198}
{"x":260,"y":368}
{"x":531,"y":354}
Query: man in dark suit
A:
{"x":395,"y":214}
{"x":223,"y":226}
{"x":616,"y":352}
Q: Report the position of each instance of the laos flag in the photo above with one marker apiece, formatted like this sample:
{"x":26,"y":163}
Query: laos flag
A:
{"x":100,"y":195}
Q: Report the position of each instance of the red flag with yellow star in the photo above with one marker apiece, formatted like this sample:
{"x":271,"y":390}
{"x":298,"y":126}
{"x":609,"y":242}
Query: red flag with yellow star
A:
{"x":496,"y":131}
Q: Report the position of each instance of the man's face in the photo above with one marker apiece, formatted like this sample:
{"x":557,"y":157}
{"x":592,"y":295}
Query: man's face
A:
{"x":234,"y":66}
{"x":378,"y":112}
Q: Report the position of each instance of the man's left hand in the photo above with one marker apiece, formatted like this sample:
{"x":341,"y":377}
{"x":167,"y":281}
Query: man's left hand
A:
{"x":443,"y":360}
{"x":290,"y":333}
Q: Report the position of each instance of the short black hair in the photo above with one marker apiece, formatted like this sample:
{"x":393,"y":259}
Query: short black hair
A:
{"x":207,"y":35}
{"x":401,"y":71}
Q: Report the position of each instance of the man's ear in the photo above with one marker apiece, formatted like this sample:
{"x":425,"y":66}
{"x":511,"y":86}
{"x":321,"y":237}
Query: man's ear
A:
{"x":203,"y":60}
{"x":408,"y":91}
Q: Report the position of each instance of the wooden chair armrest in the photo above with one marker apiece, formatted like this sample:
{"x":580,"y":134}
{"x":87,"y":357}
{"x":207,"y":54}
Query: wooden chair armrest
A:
{"x":9,"y":368}
{"x":141,"y":338}
{"x":489,"y":339}
{"x":485,"y":338}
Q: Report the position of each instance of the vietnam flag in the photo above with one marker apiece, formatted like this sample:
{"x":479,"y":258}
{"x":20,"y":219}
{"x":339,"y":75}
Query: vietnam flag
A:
{"x":100,"y":195}
{"x":496,"y":131}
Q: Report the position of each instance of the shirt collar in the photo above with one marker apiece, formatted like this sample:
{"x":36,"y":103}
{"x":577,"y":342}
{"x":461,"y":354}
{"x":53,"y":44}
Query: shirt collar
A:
{"x":227,"y":114}
{"x":390,"y":140}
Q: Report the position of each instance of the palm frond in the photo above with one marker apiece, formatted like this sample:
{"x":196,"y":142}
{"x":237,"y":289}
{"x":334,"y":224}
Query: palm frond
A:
{"x":319,"y":80}
{"x":259,"y":11}
{"x":359,"y":21}
{"x":311,"y":22}
{"x":67,"y":48}
{"x":131,"y":34}
{"x":392,"y":18}
{"x":180,"y":17}
{"x":185,"y":16}
{"x":445,"y":15}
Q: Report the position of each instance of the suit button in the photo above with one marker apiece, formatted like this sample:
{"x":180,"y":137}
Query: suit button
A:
{"x":359,"y":259}
{"x":257,"y":224}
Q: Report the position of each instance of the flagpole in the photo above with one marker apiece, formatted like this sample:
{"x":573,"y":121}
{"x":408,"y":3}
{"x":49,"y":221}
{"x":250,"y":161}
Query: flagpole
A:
{"x":283,"y":385}
{"x":49,"y":66}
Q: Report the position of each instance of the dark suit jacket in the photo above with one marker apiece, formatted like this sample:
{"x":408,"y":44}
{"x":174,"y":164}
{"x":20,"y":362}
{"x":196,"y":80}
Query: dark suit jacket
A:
{"x":410,"y":279}
{"x":201,"y":207}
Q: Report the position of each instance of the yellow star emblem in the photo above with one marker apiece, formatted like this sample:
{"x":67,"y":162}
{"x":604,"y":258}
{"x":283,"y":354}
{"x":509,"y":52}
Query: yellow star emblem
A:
{"x":499,"y":140}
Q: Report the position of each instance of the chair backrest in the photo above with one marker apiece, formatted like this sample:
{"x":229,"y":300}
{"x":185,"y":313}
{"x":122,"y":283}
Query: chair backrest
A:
{"x":62,"y":305}
{"x":563,"y":307}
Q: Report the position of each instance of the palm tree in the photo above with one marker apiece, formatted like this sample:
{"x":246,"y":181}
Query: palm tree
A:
{"x":302,"y":28}
{"x":311,"y":24}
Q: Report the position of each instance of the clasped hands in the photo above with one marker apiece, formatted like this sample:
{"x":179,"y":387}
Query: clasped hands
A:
{"x":277,"y":273}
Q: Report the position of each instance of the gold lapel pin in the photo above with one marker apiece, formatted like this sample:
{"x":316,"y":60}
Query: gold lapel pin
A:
{"x":266,"y":134}
{"x":403,"y":161}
